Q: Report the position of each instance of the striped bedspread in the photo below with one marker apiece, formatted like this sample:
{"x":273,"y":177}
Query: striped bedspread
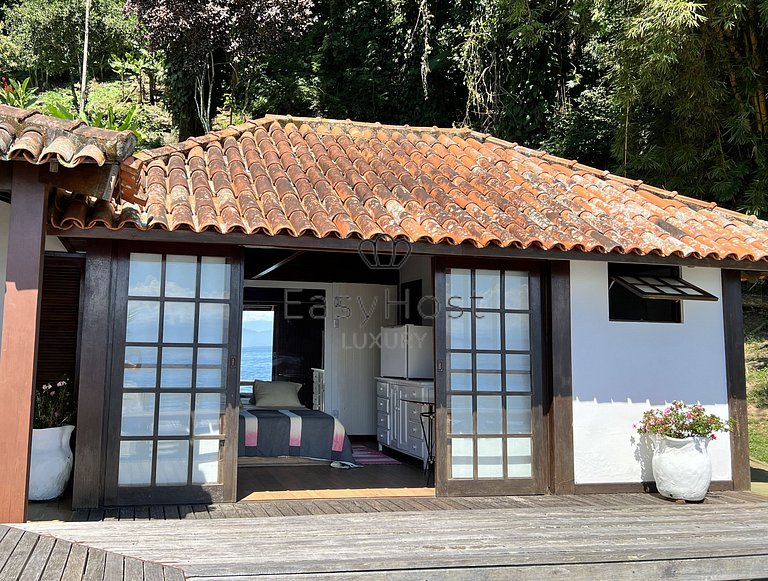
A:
{"x":295,"y":432}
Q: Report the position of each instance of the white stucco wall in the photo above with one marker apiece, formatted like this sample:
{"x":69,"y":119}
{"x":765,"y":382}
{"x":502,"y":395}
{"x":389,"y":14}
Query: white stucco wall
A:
{"x":620,"y":369}
{"x":52,"y":243}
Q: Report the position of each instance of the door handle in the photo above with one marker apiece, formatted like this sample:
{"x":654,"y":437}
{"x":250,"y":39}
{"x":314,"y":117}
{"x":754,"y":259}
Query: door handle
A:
{"x":439,"y":365}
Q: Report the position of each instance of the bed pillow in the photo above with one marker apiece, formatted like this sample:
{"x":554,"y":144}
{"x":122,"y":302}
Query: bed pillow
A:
{"x":276,"y":394}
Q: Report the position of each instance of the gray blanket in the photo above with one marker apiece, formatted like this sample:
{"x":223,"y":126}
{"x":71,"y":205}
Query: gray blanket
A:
{"x":295,"y":432}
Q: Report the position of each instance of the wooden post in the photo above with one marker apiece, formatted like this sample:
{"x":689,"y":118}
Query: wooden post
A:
{"x":18,"y":354}
{"x":733,"y":323}
{"x":562,"y":380}
{"x":94,"y":372}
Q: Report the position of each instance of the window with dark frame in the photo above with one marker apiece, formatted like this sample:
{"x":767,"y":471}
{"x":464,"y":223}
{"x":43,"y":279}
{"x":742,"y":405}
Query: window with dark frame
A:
{"x":649,"y":293}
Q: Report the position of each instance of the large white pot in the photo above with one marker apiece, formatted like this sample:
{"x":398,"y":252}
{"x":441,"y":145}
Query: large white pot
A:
{"x":681,"y":467}
{"x":50,"y":463}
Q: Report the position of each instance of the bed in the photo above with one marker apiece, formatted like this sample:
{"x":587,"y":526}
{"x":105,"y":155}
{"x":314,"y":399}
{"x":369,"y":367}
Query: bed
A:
{"x":274,"y":424}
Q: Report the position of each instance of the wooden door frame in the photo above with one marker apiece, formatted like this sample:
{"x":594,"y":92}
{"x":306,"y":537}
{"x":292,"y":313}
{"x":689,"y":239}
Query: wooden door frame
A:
{"x":539,"y":483}
{"x":227,"y":491}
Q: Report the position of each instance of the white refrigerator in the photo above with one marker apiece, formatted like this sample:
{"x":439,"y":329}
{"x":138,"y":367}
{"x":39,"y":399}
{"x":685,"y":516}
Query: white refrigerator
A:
{"x":407,"y":352}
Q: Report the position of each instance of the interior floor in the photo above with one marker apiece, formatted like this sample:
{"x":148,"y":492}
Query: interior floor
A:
{"x":319,"y":480}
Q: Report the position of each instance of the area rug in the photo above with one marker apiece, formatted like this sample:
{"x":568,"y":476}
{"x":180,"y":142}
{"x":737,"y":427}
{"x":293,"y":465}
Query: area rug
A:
{"x":368,"y":456}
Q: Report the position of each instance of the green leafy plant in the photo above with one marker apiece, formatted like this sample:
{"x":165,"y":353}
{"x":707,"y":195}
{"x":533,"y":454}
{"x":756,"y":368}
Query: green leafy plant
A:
{"x":54,"y":404}
{"x":679,"y":420}
{"x":18,"y":94}
{"x":103,"y":119}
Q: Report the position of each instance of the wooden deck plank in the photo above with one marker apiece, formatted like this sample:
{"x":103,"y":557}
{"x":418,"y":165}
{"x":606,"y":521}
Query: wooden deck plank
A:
{"x":37,"y":561}
{"x":80,"y":515}
{"x":18,"y":558}
{"x":255,"y":509}
{"x":113,"y":567}
{"x":96,"y":514}
{"x":7,"y":546}
{"x":173,"y":574}
{"x":228,"y":510}
{"x":156,"y":513}
{"x":299,"y":508}
{"x":111,"y":514}
{"x":200,"y":511}
{"x":153,"y":572}
{"x":751,"y":567}
{"x":171,"y":512}
{"x":133,"y":569}
{"x":185,"y":511}
{"x":126,"y":513}
{"x":141,"y":513}
{"x":54,"y":567}
{"x":73,"y":570}
{"x":94,"y":565}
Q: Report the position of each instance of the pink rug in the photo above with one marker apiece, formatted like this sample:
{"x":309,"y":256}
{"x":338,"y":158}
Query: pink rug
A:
{"x":365,"y":455}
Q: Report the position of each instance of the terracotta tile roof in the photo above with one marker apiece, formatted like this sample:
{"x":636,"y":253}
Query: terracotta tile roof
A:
{"x":312,"y":177}
{"x":28,"y":135}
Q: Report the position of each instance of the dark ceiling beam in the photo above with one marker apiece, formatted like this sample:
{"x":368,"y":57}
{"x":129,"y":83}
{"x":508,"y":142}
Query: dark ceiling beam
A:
{"x":277,"y":265}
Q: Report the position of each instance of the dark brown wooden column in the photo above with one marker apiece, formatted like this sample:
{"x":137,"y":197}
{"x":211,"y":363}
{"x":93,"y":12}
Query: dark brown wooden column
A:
{"x":733,"y":323}
{"x":94,"y":373}
{"x":18,"y":354}
{"x":561,"y":426}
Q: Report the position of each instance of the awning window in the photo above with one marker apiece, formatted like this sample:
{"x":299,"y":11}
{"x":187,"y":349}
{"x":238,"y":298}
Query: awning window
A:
{"x":662,"y":287}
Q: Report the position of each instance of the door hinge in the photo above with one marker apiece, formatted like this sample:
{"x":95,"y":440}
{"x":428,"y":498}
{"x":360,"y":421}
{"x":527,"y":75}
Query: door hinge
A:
{"x":439,"y":366}
{"x":232,"y":362}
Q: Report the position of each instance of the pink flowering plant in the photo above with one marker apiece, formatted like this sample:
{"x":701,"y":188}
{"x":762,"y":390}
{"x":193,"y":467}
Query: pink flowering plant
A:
{"x":54,"y":404}
{"x":679,"y":420}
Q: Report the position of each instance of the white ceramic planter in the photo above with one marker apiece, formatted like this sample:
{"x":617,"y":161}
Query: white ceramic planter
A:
{"x":50,"y":463}
{"x":681,"y":467}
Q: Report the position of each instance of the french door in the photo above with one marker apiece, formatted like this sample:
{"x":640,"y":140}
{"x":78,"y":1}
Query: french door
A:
{"x":491,"y":437}
{"x":174,"y":394}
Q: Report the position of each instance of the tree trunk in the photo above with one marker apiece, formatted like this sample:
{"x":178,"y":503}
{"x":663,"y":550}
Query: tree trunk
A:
{"x":187,"y":120}
{"x":84,"y":71}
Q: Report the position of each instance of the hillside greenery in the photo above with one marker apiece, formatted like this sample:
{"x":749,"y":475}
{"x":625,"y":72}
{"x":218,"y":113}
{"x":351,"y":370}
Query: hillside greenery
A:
{"x":668,"y":91}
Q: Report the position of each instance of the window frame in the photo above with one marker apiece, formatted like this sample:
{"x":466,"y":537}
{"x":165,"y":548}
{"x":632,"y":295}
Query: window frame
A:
{"x":653,"y":278}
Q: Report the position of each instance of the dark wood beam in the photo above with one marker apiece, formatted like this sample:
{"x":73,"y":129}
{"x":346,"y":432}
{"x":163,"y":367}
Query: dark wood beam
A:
{"x":733,"y":323}
{"x":561,"y":416}
{"x":277,"y":265}
{"x":351,"y":245}
{"x":94,"y":372}
{"x":18,"y":354}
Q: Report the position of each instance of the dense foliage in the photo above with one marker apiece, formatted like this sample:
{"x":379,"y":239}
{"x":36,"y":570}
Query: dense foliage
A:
{"x":668,"y":91}
{"x":44,"y":38}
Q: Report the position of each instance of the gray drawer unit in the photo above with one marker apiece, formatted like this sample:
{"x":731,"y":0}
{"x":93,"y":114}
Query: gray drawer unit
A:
{"x":382,"y":404}
{"x":398,"y":419}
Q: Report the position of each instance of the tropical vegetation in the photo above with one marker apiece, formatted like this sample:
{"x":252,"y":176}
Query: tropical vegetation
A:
{"x":668,"y":91}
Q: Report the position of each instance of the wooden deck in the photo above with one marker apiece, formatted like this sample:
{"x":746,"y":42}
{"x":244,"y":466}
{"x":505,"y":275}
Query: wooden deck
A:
{"x":618,"y":536}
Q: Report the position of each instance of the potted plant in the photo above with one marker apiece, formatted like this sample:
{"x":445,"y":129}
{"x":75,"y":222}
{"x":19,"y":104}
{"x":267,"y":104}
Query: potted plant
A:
{"x":51,"y":457}
{"x":681,"y":465}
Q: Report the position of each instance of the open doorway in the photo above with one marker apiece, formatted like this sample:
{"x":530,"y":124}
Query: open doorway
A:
{"x":321,"y":336}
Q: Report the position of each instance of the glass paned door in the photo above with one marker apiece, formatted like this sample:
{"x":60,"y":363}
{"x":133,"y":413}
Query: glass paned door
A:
{"x":174,"y":384}
{"x":490,"y":422}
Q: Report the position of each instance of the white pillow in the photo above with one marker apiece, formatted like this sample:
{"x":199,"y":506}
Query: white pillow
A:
{"x":276,"y":394}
